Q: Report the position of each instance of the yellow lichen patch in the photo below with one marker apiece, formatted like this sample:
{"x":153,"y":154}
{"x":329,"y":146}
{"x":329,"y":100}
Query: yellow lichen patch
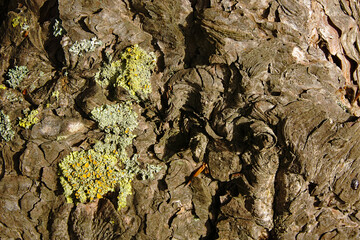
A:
{"x":89,"y":181}
{"x":132,"y":72}
{"x":29,"y":120}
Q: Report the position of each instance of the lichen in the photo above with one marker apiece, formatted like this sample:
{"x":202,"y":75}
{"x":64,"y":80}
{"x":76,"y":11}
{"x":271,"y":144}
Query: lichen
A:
{"x":22,"y":21}
{"x":16,"y":75}
{"x":30,"y":119}
{"x":56,"y":94}
{"x":90,"y":174}
{"x":133,"y":166}
{"x":137,"y":67}
{"x":58,"y":30}
{"x":85,"y":46}
{"x":6,"y":131}
{"x":117,"y":118}
{"x":15,"y":21}
{"x":108,"y":74}
{"x":132,"y":71}
{"x":11,"y":96}
{"x":118,"y":122}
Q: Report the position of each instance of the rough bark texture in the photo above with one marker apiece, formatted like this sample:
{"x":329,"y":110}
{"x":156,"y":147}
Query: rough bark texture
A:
{"x":264,"y":92}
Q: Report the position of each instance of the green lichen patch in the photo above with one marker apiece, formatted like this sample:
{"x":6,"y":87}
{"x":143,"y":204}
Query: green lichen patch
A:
{"x":6,"y":131}
{"x":118,"y":122}
{"x":132,"y":71}
{"x":108,"y":74}
{"x":133,"y":166}
{"x":30,"y":119}
{"x":117,"y":118}
{"x":16,"y":75}
{"x":87,"y":175}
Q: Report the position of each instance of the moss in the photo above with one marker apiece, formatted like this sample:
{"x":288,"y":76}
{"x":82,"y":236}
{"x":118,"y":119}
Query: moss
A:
{"x":29,"y":120}
{"x":132,"y":71}
{"x":6,"y":131}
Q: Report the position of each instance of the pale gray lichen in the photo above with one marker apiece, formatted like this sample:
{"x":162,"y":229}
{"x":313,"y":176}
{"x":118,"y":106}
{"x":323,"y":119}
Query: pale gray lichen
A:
{"x":132,"y":166}
{"x":11,"y":96}
{"x":58,"y":30}
{"x":118,"y":121}
{"x":16,"y":75}
{"x":6,"y":131}
{"x":118,"y":118}
{"x":85,"y":46}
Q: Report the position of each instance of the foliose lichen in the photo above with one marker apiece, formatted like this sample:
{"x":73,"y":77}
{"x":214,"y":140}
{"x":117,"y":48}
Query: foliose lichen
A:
{"x":30,"y":118}
{"x":58,"y":30}
{"x":15,"y":21}
{"x":22,"y":21}
{"x":133,"y":166}
{"x":87,"y":175}
{"x":85,"y":46}
{"x":6,"y":131}
{"x":16,"y":75}
{"x":11,"y":96}
{"x":108,"y":74}
{"x":91,"y":174}
{"x":118,"y":118}
{"x":132,"y":71}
